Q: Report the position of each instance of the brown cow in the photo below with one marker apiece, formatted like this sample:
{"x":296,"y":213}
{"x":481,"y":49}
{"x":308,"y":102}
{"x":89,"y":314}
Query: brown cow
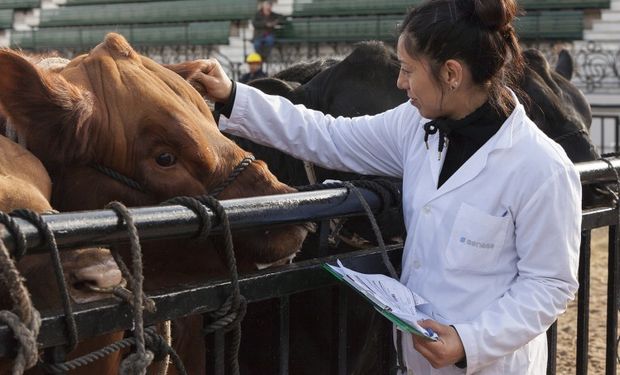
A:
{"x":24,"y":183}
{"x":115,"y":108}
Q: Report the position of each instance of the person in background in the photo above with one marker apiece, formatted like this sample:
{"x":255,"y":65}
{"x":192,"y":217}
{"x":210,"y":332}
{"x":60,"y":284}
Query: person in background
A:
{"x":255,"y":66}
{"x":492,"y":205}
{"x":264,"y":22}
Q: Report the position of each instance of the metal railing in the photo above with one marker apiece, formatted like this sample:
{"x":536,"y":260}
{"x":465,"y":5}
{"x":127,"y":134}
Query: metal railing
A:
{"x":100,"y":227}
{"x":605,"y":129}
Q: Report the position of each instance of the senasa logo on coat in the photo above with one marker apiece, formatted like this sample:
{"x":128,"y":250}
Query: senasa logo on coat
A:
{"x":477,"y":244}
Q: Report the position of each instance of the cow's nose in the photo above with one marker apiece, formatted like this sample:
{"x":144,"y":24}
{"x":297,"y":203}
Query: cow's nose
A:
{"x":94,"y":281}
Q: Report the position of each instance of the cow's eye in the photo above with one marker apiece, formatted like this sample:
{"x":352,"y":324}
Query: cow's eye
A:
{"x":166,"y":159}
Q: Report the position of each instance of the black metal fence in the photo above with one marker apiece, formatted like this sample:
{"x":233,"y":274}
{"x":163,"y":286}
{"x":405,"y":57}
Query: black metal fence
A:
{"x":605,"y":132}
{"x":100,"y":228}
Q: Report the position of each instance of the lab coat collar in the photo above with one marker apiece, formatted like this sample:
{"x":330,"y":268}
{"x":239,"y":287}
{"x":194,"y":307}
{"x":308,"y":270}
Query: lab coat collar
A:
{"x":477,"y":162}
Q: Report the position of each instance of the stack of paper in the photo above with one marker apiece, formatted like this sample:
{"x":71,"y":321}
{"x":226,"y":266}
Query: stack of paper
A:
{"x":391,"y":298}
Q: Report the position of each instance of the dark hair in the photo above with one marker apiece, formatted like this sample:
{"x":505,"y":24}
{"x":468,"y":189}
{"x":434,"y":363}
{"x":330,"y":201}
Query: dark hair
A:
{"x":477,"y":32}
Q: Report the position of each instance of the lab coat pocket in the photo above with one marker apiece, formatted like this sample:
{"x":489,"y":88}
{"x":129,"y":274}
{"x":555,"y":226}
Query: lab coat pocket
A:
{"x":476,"y":240}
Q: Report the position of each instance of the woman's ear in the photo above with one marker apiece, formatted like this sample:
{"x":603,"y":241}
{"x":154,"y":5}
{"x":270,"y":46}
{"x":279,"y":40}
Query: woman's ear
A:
{"x":452,"y":74}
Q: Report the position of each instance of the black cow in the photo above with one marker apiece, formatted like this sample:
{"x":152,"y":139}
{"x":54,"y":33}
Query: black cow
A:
{"x":562,"y":112}
{"x":362,"y":83}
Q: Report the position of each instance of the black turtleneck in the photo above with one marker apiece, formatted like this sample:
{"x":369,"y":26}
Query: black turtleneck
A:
{"x":465,"y":136}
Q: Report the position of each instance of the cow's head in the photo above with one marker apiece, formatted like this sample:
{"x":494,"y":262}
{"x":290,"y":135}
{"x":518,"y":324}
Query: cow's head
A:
{"x":24,"y":183}
{"x":561,"y":111}
{"x":116,"y":108}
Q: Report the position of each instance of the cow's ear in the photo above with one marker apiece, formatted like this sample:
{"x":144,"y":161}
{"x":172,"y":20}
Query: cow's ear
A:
{"x":565,"y":65}
{"x":48,"y":112}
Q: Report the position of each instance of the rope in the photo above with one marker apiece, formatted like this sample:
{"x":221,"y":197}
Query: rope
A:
{"x":245,"y":162}
{"x":162,"y":358}
{"x":153,"y":341}
{"x":374,"y":225}
{"x":389,"y":195}
{"x":237,"y":304}
{"x":25,"y":321}
{"x":130,"y":182}
{"x":229,"y":316}
{"x":19,"y":237}
{"x":604,"y":157}
{"x":571,"y":134}
{"x":231,"y":313}
{"x":48,"y":236}
{"x":135,"y":363}
{"x":119,"y":177}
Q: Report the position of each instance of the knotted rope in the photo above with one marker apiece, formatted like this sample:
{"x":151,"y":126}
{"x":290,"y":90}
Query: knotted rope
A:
{"x":135,"y":363}
{"x":24,"y":320}
{"x":229,"y":316}
{"x":152,"y":340}
{"x":390,"y":195}
{"x":48,"y":237}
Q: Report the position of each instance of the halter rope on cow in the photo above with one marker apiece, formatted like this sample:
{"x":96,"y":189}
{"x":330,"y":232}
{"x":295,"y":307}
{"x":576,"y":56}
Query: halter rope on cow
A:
{"x":230,"y":314}
{"x":130,"y":182}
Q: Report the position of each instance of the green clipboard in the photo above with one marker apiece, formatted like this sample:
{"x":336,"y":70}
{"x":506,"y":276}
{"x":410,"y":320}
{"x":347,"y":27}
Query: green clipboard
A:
{"x":379,"y":306}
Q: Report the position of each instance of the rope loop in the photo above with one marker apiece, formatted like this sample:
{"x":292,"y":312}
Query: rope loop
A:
{"x":226,"y":318}
{"x":119,"y":177}
{"x":199,"y":209}
{"x":26,"y":336}
{"x":24,"y":321}
{"x":605,"y":158}
{"x":243,"y":164}
{"x":18,"y":236}
{"x":233,"y":310}
{"x":135,"y":363}
{"x":48,"y":236}
{"x":151,"y":336}
{"x":390,"y":195}
{"x":389,"y":192}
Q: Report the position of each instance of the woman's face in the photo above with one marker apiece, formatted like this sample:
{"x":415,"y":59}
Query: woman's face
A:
{"x":416,"y":78}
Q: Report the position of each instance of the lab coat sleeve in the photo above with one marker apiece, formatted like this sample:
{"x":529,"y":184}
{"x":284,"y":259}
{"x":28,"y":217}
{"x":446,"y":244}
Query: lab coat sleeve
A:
{"x":547,"y":232}
{"x":365,"y":144}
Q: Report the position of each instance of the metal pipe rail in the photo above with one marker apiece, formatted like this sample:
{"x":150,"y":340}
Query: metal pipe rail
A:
{"x":100,"y":227}
{"x":111,"y":315}
{"x":597,"y":171}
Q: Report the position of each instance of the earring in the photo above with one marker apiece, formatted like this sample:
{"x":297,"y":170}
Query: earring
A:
{"x":454,"y":86}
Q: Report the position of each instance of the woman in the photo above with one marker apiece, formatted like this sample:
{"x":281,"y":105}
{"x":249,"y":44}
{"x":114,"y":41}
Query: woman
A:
{"x":491,"y":205}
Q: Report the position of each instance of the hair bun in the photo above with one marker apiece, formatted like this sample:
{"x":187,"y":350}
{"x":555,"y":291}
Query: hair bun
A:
{"x":496,"y":15}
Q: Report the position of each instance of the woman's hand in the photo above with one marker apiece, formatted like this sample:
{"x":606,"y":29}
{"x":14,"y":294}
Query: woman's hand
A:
{"x":216,"y":84}
{"x":446,"y":351}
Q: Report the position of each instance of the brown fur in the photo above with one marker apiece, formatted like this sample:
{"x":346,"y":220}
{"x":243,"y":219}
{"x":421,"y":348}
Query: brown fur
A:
{"x":115,"y":107}
{"x":24,"y":183}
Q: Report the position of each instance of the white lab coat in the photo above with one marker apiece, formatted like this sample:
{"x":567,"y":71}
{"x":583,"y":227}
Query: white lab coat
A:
{"x":494,"y":249}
